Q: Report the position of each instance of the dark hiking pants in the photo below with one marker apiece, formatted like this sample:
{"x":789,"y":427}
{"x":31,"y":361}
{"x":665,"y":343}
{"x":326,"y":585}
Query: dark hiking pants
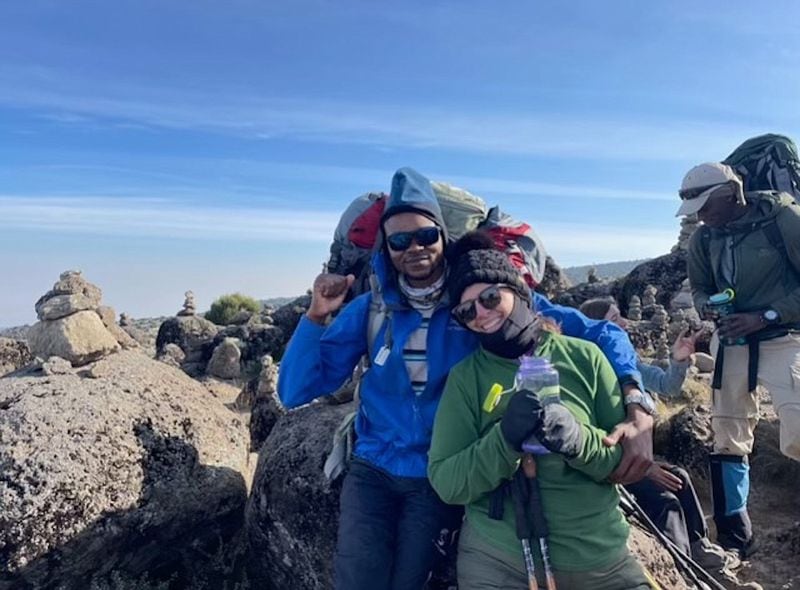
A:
{"x":392,"y":530}
{"x":678,"y":515}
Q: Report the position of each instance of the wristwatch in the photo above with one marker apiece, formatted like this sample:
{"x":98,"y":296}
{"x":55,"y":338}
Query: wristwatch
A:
{"x":643,"y":399}
{"x":770,"y":316}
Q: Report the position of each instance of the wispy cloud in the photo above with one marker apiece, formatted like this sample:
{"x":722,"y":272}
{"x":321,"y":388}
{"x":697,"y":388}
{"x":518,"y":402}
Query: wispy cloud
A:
{"x":367,"y":123}
{"x":158,"y":217}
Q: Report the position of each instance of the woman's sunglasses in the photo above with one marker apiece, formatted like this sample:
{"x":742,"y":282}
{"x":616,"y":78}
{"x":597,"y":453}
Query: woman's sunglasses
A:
{"x":466,"y":311}
{"x":401,"y":241}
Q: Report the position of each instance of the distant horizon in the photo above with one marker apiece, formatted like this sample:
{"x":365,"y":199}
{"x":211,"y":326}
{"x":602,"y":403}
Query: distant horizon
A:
{"x":264,"y":299}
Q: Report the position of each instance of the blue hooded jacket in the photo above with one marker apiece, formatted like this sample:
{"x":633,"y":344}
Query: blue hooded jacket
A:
{"x":394,"y":425}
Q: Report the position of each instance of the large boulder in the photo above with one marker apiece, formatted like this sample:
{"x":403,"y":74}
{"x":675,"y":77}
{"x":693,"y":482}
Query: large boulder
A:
{"x":666,"y":273}
{"x":125,"y":468}
{"x":80,"y":338}
{"x":195,"y":337}
{"x":286,"y":317}
{"x":293,"y":511}
{"x":14,"y":354}
{"x":225,"y":359}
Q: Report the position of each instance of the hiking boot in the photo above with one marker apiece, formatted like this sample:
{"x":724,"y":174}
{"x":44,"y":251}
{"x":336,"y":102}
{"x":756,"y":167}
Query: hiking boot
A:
{"x":712,"y":557}
{"x":731,"y":581}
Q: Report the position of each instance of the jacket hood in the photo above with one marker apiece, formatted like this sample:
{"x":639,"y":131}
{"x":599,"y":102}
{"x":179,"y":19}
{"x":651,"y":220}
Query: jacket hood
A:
{"x":412,"y":193}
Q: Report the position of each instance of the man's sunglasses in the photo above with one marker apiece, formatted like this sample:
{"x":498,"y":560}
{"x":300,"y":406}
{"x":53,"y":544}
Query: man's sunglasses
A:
{"x":402,"y":240}
{"x":693,"y":193}
{"x":466,"y":311}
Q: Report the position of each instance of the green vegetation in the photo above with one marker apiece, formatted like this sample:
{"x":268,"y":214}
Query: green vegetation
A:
{"x":224,"y":309}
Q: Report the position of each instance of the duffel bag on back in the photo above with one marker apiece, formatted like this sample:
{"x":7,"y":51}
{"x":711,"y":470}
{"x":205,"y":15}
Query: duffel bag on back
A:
{"x":462,"y":211}
{"x":767,"y":163}
{"x":520,"y":243}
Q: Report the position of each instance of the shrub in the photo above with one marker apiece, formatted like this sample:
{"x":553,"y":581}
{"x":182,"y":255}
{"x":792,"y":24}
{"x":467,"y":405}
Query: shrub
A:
{"x":224,"y":309}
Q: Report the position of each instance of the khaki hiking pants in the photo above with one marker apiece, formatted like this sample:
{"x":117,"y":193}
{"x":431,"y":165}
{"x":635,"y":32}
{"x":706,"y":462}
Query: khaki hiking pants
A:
{"x":734,"y":411}
{"x":482,"y":566}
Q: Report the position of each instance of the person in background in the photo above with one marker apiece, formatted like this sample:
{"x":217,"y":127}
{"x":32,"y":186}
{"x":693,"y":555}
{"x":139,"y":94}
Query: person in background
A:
{"x":748,"y":242}
{"x":667,"y":494}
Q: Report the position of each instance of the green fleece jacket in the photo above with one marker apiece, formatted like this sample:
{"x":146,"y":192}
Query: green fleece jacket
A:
{"x":761,"y":275}
{"x":469,"y":457}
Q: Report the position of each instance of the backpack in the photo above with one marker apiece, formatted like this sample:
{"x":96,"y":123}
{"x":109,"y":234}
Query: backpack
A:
{"x":520,"y":243}
{"x":767,"y":163}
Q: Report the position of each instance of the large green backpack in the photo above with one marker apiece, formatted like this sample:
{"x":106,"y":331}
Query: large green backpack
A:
{"x":767,"y":163}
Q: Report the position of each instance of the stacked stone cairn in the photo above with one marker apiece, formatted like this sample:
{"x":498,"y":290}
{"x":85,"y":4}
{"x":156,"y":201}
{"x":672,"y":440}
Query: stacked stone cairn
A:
{"x":635,"y":308}
{"x":688,"y":226}
{"x":189,"y":305}
{"x":73,"y":325}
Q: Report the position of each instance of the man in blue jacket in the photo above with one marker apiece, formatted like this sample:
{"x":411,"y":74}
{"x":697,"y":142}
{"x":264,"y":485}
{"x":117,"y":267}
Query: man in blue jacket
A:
{"x":390,"y":516}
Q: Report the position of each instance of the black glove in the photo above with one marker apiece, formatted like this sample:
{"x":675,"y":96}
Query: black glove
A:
{"x":522,"y":418}
{"x":559,"y":431}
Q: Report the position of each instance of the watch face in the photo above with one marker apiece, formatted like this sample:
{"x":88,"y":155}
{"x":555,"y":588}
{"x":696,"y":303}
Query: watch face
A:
{"x":771,"y":315}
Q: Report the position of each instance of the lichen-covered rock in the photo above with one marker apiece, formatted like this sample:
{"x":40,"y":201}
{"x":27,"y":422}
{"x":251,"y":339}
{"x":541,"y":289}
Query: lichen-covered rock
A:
{"x":195,"y":337}
{"x":293,"y":511}
{"x":137,"y":470}
{"x":80,"y":338}
{"x":14,"y":354}
{"x":666,"y":273}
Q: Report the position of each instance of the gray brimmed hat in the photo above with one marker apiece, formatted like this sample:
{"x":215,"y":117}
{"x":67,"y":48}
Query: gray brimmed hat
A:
{"x":702,"y":181}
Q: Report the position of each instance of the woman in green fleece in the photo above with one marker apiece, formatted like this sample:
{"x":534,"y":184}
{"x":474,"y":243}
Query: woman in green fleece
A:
{"x":475,"y":452}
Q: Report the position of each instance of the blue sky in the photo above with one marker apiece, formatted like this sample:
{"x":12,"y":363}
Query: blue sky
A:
{"x":165,"y":146}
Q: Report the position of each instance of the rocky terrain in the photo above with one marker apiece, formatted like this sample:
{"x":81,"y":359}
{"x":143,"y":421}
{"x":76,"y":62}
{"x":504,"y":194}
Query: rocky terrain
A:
{"x":155,"y":455}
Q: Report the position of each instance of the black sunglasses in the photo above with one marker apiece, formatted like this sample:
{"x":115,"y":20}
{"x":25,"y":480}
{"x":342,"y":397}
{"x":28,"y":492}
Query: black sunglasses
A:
{"x":424,"y":236}
{"x":693,"y":193}
{"x":489,"y":298}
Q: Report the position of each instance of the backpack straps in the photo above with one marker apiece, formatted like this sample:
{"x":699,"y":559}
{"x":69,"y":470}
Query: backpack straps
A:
{"x":379,"y":313}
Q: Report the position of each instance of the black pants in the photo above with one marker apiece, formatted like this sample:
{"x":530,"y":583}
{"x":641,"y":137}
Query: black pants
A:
{"x":392,"y":530}
{"x":677,"y":514}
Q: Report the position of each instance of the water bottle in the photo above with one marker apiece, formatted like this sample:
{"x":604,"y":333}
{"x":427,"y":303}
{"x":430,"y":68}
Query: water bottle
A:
{"x":538,"y":375}
{"x":723,"y":304}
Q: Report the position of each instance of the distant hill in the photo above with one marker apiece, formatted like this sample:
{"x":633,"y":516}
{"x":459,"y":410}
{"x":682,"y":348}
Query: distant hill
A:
{"x":606,"y":270}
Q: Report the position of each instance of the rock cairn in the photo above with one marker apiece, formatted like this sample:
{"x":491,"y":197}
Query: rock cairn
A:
{"x":73,"y":325}
{"x":189,"y":305}
{"x":635,"y":308}
{"x":649,"y":296}
{"x":660,"y":317}
{"x":683,"y":299}
{"x":688,"y":226}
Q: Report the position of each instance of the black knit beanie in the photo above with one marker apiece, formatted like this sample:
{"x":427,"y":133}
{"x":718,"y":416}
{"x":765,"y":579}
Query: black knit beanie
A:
{"x":475,"y":259}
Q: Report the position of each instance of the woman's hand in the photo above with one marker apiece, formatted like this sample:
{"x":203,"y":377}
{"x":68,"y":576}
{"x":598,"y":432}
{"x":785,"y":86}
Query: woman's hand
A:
{"x":664,"y":478}
{"x":684,"y":345}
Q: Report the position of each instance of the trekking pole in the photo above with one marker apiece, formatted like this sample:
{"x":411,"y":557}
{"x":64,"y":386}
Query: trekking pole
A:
{"x":685,"y":563}
{"x":537,"y":514}
{"x":520,"y":493}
